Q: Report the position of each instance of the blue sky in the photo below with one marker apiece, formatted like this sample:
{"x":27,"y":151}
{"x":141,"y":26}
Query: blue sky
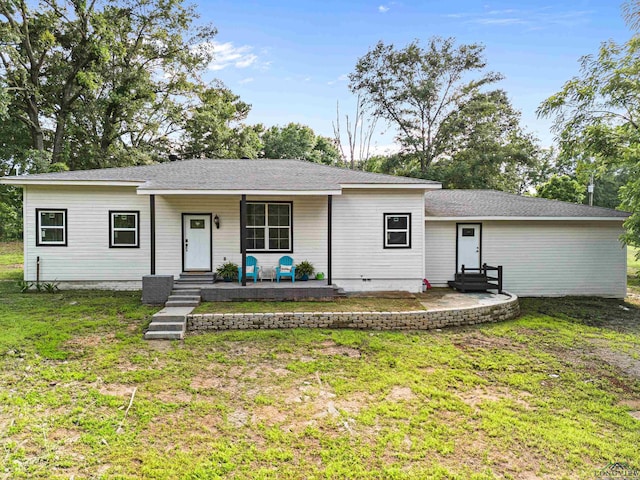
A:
{"x":290,"y":59}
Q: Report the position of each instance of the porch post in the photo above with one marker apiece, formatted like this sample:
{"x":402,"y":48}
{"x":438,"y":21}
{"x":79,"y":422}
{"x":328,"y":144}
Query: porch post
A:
{"x":329,"y":205}
{"x":152,"y":237}
{"x":243,"y":238}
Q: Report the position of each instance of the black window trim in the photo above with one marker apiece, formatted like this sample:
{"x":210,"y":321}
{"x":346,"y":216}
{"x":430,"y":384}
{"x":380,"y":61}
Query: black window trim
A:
{"x":111,"y":227}
{"x":384,"y":238}
{"x":39,"y":243}
{"x":290,"y":250}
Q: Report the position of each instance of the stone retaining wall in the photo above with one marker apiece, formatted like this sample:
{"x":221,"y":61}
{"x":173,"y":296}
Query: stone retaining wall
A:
{"x":416,"y":320}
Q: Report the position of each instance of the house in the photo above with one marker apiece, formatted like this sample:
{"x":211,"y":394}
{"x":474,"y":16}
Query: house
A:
{"x":108,"y":228}
{"x":546,"y":247}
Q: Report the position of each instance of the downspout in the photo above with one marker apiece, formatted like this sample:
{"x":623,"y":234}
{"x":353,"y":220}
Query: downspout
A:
{"x":152,"y":237}
{"x":243,"y":238}
{"x":329,"y":209}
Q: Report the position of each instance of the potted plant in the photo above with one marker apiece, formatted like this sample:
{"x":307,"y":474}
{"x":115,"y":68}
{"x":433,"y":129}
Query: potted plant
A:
{"x":228,"y":271}
{"x":304,"y":270}
{"x":319,"y":276}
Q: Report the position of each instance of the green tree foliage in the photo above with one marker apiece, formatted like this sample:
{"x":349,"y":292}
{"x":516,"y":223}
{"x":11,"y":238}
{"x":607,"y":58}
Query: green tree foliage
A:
{"x":420,"y":90}
{"x":562,"y":187}
{"x":597,"y":115}
{"x":299,"y":142}
{"x":215,"y":128}
{"x":90,"y":79}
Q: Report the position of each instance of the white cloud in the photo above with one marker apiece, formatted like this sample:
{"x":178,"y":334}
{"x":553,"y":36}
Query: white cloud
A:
{"x":246,"y":80}
{"x":533,"y":19}
{"x":228,"y":55}
{"x":342,"y":78}
{"x":383,"y":9}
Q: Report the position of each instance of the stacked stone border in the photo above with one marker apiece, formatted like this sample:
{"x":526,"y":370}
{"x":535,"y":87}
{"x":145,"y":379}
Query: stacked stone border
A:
{"x":414,"y":320}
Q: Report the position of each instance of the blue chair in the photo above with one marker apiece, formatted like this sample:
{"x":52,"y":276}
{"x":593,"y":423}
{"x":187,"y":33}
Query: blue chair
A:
{"x":251,"y":272}
{"x":286,"y":261}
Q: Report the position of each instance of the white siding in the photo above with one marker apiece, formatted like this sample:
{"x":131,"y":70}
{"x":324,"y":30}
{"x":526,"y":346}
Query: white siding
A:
{"x":309,"y":230}
{"x":87,"y":255}
{"x":440,"y":252}
{"x":360,"y":262}
{"x":540,"y":258}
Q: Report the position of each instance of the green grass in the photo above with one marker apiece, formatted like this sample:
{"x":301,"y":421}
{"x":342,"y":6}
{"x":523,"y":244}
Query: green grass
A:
{"x":547,"y":395}
{"x":338,"y":305}
{"x":11,"y":261}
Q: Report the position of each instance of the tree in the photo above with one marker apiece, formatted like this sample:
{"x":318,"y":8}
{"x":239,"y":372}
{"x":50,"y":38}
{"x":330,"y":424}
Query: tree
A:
{"x":418,"y":90}
{"x":215,"y":127}
{"x":299,"y":142}
{"x":110,"y":72}
{"x":488,"y":149}
{"x":360,"y":129}
{"x":562,"y":187}
{"x":597,"y":115}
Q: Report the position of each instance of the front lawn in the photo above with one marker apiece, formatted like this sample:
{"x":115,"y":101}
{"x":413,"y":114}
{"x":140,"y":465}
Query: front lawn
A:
{"x":11,"y":261}
{"x":550,"y":395}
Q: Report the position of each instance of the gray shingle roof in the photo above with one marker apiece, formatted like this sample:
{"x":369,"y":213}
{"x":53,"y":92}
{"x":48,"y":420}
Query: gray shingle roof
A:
{"x":206,"y":174}
{"x":492,"y":203}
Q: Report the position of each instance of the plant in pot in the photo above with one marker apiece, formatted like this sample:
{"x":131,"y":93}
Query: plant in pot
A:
{"x":304,"y":270}
{"x":228,"y":271}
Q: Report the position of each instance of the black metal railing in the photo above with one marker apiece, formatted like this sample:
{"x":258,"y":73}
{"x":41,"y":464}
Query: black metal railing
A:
{"x":468,"y":278}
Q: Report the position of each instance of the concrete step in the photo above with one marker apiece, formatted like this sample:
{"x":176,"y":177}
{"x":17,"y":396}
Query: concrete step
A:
{"x":163,"y":335}
{"x":167,"y":319}
{"x":186,"y":290}
{"x":167,"y":326}
{"x":199,"y":277}
{"x":173,"y":314}
{"x":184,"y":298}
{"x":182,"y":303}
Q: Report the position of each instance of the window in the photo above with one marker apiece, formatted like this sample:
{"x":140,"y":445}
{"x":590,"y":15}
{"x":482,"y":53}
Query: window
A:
{"x":468,"y":232}
{"x":269,"y":227}
{"x":51,"y":227}
{"x":124,"y":229}
{"x":397,"y":230}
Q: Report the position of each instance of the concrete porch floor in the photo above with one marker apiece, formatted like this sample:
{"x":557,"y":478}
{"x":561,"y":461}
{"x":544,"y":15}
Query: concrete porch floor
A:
{"x":449,"y":299}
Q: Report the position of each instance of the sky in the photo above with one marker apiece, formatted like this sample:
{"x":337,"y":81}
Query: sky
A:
{"x":290,"y":59}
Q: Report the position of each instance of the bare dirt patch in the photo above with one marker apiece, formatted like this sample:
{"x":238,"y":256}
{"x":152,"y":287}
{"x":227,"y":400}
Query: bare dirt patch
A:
{"x":116,"y":390}
{"x":330,"y":348}
{"x":478,"y":340}
{"x":238,"y":418}
{"x":171,"y":397}
{"x":620,"y":360}
{"x":211,"y":381}
{"x":268,"y":415}
{"x":398,"y":393}
{"x":482,"y":394}
{"x":89,"y":341}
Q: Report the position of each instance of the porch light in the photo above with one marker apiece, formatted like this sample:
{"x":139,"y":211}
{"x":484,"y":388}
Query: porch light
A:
{"x":216,"y":220}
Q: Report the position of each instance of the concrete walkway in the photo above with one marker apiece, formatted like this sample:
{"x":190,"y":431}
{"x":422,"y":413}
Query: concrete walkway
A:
{"x":452,"y":300}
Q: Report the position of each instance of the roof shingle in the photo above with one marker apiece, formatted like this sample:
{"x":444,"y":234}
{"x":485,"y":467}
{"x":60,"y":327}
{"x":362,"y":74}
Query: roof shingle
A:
{"x":206,"y":174}
{"x":492,"y":203}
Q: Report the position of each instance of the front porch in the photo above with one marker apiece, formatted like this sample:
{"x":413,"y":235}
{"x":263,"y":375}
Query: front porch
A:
{"x":221,"y":291}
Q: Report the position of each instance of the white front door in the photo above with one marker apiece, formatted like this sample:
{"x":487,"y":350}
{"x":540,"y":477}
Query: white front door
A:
{"x":197,"y":242}
{"x":468,"y":245}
